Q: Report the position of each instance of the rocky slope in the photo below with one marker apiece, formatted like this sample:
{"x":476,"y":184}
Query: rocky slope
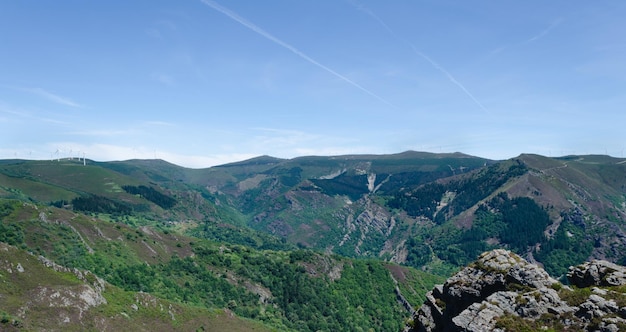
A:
{"x":37,"y":294}
{"x":503,"y":292}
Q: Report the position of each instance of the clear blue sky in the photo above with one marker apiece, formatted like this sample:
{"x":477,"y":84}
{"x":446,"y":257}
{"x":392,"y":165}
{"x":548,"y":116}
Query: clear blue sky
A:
{"x":201,"y":83}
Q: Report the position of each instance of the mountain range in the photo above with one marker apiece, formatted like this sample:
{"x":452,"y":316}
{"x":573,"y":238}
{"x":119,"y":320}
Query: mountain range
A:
{"x":269,"y":241}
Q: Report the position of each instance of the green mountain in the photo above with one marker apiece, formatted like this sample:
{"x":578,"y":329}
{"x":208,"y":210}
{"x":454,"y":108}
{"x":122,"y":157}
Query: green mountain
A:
{"x":100,"y":246}
{"x":310,"y":243}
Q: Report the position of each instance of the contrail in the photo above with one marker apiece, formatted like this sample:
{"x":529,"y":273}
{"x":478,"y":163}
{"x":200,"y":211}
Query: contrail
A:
{"x":545,"y":31}
{"x":51,"y":96}
{"x":422,"y":55}
{"x":450,"y":77}
{"x":294,"y":50}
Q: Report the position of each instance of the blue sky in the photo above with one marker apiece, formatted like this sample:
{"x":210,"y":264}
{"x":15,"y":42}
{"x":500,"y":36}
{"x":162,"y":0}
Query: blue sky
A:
{"x":202,"y":83}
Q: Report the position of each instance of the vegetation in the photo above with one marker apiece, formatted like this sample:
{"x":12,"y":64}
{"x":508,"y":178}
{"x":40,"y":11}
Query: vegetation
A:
{"x":352,"y":186}
{"x":567,"y":247}
{"x":516,"y":222}
{"x":287,"y":290}
{"x":225,"y":237}
{"x":471,"y":191}
{"x":547,"y":322}
{"x":239,"y":235}
{"x":422,"y":201}
{"x":154,"y":196}
{"x":100,"y":204}
{"x":524,"y":221}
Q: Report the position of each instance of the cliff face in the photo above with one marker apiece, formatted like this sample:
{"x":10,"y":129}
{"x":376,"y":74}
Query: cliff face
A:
{"x":503,"y":292}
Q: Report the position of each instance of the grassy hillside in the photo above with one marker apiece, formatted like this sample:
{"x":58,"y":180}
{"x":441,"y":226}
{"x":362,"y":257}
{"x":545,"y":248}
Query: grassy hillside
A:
{"x":38,"y":294}
{"x":198,"y":282}
{"x":260,"y":238}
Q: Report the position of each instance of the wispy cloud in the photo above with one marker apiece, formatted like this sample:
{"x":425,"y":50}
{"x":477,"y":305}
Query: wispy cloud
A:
{"x":156,"y":31}
{"x":289,"y":143}
{"x":545,"y":31}
{"x":103,"y":132}
{"x":52,"y":97}
{"x":532,"y":39}
{"x":234,"y":16}
{"x":164,"y":78}
{"x":159,"y":123}
{"x":17,"y":113}
{"x":282,"y":138}
{"x":452,"y":79}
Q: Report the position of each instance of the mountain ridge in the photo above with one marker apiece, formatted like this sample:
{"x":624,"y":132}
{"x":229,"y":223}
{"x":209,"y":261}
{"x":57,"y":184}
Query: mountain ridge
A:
{"x":427,"y":214}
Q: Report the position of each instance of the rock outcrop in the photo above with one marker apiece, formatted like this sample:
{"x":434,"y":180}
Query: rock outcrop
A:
{"x":503,"y":292}
{"x":597,"y":273}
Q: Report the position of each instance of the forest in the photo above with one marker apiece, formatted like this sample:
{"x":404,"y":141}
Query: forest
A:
{"x":151,"y":194}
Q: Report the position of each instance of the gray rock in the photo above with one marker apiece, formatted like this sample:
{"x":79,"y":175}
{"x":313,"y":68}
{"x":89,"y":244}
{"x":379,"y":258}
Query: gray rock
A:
{"x":478,"y":317}
{"x":597,"y":273}
{"x":502,"y":283}
{"x":595,"y":307}
{"x":494,"y":271}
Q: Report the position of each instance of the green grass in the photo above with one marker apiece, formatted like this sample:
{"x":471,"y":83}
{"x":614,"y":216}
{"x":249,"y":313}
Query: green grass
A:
{"x":414,"y":284}
{"x":576,"y":296}
{"x":547,"y":322}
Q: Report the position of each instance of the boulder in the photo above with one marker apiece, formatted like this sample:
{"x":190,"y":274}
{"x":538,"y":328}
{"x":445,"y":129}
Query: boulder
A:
{"x":501,"y":284}
{"x":597,"y":273}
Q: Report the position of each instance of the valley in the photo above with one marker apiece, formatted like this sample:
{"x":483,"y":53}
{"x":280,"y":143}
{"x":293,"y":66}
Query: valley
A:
{"x":303,"y":244}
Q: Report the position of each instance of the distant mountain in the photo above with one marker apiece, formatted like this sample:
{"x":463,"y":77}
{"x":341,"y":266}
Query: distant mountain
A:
{"x":122,"y":245}
{"x":436,"y":211}
{"x":422,"y":209}
{"x":433,"y":212}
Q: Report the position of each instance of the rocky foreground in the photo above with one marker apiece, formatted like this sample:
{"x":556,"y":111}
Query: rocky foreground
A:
{"x":503,"y":292}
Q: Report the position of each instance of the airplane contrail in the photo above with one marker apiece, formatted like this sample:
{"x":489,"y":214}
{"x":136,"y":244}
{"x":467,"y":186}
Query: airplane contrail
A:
{"x":294,"y":50}
{"x":451,"y":78}
{"x":545,"y":31}
{"x":422,"y":55}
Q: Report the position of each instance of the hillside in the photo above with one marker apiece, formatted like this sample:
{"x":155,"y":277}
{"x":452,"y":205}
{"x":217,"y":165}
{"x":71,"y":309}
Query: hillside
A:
{"x":276,"y":240}
{"x":432,"y":211}
{"x":38,"y":294}
{"x":85,"y":272}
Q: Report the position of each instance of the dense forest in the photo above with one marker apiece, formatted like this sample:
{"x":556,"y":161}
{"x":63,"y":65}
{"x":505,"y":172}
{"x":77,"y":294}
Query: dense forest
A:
{"x":517,"y":223}
{"x":100,"y":204}
{"x":151,"y":194}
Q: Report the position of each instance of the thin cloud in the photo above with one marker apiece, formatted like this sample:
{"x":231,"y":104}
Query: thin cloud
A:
{"x":27,"y":115}
{"x":234,"y":16}
{"x":53,"y":97}
{"x":545,"y":32}
{"x":164,"y":79}
{"x":452,"y":79}
{"x":159,"y":123}
{"x":103,"y":133}
{"x":538,"y":36}
{"x":282,"y":137}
